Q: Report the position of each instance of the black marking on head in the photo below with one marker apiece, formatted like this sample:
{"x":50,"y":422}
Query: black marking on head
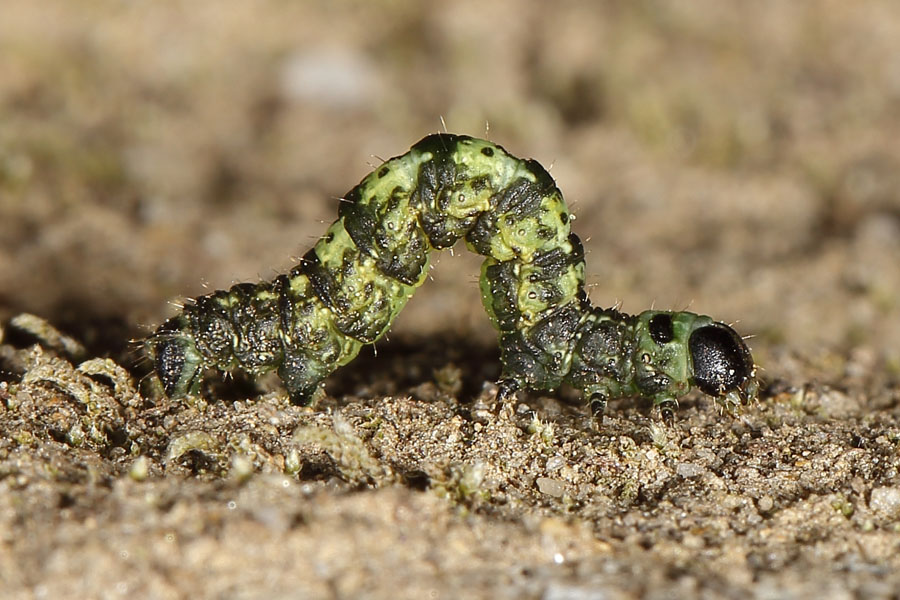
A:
{"x":721,"y":360}
{"x":661,"y":329}
{"x":489,"y":152}
{"x":383,"y":171}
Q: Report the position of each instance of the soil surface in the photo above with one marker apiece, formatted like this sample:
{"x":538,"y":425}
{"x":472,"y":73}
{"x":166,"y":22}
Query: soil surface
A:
{"x":739,"y":159}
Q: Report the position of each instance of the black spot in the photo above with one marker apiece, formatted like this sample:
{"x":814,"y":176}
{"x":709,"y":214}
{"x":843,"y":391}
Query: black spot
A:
{"x":383,"y":171}
{"x":661,"y":329}
{"x":489,"y":152}
{"x":564,"y":218}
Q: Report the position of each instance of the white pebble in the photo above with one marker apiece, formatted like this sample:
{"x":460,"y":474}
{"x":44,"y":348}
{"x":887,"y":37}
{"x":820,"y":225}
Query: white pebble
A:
{"x":886,"y":500}
{"x":551,"y":487}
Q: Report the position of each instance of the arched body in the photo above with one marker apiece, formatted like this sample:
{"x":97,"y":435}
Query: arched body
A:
{"x":348,"y":289}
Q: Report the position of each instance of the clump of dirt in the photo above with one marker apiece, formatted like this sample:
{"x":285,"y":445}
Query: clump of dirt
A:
{"x":365,"y":495}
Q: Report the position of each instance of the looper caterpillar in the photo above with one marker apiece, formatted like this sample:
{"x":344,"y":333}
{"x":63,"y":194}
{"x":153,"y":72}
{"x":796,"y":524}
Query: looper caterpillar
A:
{"x":348,"y":289}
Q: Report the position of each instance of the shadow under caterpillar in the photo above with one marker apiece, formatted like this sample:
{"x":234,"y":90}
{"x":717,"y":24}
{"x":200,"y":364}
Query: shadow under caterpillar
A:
{"x":348,"y":289}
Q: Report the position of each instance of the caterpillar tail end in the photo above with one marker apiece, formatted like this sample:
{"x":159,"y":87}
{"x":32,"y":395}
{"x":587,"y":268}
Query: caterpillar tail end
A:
{"x":176,"y":361}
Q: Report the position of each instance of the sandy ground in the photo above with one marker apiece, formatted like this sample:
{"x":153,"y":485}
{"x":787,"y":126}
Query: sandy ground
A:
{"x":740,"y":159}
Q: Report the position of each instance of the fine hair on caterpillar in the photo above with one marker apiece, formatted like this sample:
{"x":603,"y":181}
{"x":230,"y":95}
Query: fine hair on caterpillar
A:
{"x":349,"y":288}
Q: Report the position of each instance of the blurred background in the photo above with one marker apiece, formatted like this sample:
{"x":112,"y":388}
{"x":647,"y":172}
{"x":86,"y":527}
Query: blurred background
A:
{"x":738,"y":159}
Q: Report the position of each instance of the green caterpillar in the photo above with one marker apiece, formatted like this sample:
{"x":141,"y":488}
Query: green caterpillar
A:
{"x":348,"y":289}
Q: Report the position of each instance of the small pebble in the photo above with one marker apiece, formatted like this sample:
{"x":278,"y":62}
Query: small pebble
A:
{"x":551,"y":487}
{"x":687,"y":470}
{"x":555,"y":463}
{"x":140,"y":469}
{"x":886,"y":501}
{"x":765,"y":504}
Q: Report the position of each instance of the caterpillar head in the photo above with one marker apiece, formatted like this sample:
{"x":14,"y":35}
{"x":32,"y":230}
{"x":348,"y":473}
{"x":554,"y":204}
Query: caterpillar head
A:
{"x":678,"y":350}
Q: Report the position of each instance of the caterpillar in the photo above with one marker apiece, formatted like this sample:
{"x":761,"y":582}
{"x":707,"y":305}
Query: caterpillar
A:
{"x":347,"y":290}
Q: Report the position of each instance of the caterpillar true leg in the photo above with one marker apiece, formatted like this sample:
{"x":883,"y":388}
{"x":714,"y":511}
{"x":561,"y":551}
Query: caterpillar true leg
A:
{"x":349,"y":288}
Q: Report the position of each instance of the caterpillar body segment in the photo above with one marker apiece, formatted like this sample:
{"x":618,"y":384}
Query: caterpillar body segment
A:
{"x":348,"y":289}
